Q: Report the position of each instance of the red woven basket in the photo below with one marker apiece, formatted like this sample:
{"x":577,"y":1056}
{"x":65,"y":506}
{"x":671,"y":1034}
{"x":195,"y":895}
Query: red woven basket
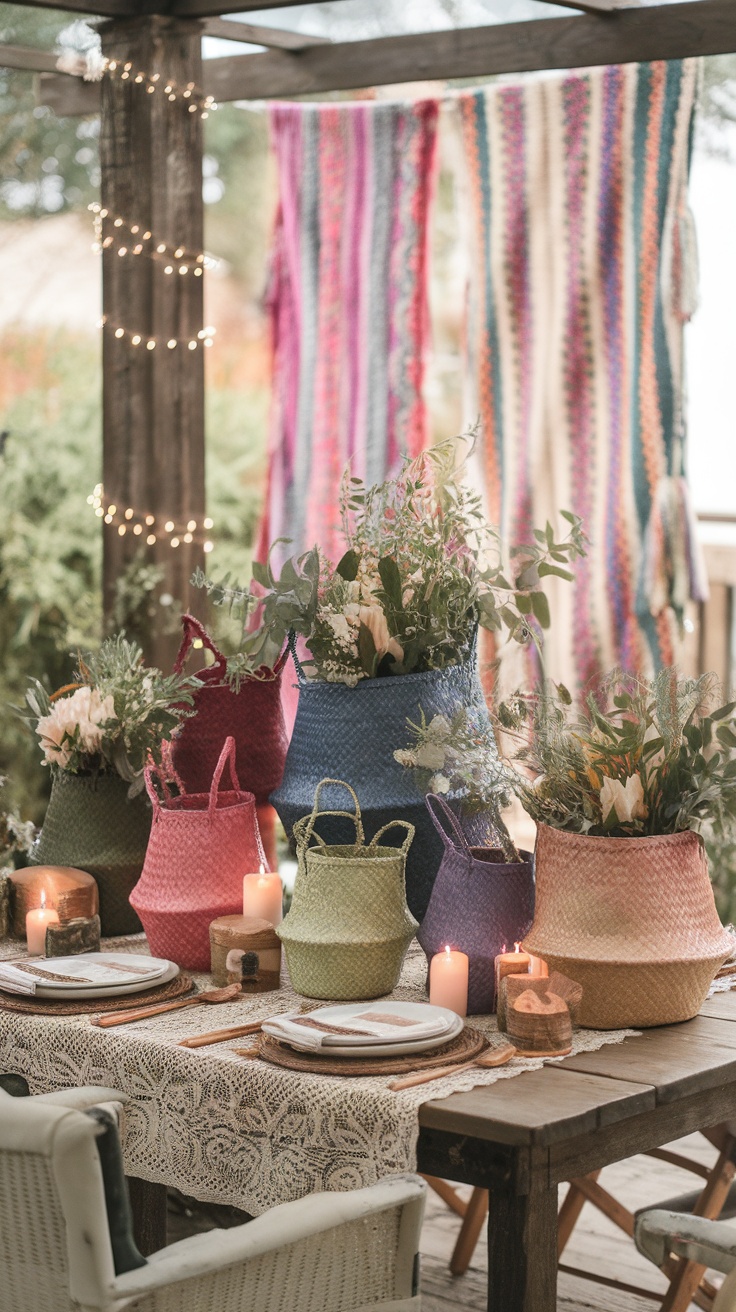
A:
{"x":252,"y":716}
{"x":200,"y":847}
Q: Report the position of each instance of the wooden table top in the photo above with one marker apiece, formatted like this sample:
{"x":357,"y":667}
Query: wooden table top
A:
{"x":593,"y":1091}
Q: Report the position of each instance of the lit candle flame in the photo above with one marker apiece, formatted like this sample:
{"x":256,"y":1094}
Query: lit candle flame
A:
{"x":517,"y":947}
{"x":447,"y":949}
{"x":43,"y":898}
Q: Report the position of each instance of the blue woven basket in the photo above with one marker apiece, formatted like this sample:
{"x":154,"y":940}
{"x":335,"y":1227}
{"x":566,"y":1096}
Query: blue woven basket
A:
{"x":352,"y":733}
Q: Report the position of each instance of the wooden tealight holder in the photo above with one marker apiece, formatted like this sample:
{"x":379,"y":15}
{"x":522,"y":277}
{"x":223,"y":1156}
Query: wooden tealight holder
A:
{"x":539,"y":1025}
{"x":73,"y":936}
{"x":72,"y":893}
{"x":512,"y":987}
{"x":245,"y":951}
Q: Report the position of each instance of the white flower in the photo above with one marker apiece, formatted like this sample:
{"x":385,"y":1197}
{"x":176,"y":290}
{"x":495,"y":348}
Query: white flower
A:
{"x":375,"y":621}
{"x":430,"y":756}
{"x":439,"y":726}
{"x":625,"y":800}
{"x":439,"y":784}
{"x":76,"y":717}
{"x":404,"y":757}
{"x":339,"y":626}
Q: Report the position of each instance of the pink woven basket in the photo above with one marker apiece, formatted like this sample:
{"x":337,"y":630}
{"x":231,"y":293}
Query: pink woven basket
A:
{"x":253,"y":715}
{"x":200,"y":847}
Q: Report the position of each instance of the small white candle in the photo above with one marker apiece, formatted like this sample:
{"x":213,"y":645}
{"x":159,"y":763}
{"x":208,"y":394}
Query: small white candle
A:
{"x":37,"y":922}
{"x":448,"y":981}
{"x":263,"y":896}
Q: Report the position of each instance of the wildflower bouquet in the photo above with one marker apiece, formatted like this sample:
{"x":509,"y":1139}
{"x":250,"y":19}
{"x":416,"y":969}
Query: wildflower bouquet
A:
{"x":641,"y":757}
{"x":114,"y":716}
{"x":421,"y":571}
{"x":16,"y":836}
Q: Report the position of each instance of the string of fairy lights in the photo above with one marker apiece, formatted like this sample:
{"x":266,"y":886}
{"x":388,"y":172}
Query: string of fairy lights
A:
{"x":126,"y":238}
{"x":155,"y":528}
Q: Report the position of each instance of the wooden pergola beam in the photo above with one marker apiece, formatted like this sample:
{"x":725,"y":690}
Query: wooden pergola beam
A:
{"x":671,"y":31}
{"x":25,"y":57}
{"x":254,"y":34}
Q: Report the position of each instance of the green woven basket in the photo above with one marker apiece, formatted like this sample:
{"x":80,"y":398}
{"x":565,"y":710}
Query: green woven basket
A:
{"x":91,"y":824}
{"x":348,"y":929}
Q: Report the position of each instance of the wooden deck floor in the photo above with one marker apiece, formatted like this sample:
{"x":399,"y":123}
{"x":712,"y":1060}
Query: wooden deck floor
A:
{"x":596,"y":1244}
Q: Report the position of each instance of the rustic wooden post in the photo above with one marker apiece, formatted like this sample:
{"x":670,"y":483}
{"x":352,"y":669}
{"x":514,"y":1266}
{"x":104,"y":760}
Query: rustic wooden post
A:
{"x":153,"y":397}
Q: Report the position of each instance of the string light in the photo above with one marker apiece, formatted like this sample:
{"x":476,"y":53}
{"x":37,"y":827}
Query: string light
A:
{"x":205,"y":337}
{"x":196,"y":100}
{"x":132,"y":242}
{"x":156,"y":528}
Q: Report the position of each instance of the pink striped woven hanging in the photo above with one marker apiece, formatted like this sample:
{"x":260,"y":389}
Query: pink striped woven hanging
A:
{"x":348,"y":301}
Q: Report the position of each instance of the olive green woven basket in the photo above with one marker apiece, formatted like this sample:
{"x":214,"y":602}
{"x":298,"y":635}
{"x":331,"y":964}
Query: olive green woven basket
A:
{"x":348,"y":929}
{"x":91,"y":824}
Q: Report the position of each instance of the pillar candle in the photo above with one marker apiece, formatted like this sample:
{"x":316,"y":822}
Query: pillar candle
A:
{"x":448,"y":981}
{"x":538,"y":967}
{"x":37,"y":922}
{"x":508,"y":963}
{"x":263,"y":896}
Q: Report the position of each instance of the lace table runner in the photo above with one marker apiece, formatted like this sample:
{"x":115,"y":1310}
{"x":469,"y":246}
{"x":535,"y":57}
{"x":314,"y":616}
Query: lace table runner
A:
{"x":227,"y":1130}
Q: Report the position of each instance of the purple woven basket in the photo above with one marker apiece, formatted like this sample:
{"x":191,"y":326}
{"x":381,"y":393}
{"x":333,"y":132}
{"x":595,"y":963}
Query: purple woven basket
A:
{"x":480,"y":905}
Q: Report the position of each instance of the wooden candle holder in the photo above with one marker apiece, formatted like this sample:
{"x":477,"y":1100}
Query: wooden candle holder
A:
{"x":72,"y":893}
{"x":245,"y":951}
{"x":79,"y":935}
{"x":4,"y":904}
{"x":539,"y":1025}
{"x":512,"y":987}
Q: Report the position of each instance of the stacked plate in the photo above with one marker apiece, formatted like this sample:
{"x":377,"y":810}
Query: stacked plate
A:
{"x":367,"y":1029}
{"x":88,"y":975}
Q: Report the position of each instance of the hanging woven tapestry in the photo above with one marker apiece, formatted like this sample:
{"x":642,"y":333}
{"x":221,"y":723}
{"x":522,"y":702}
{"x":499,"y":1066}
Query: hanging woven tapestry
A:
{"x":580,"y":286}
{"x":348,"y":302}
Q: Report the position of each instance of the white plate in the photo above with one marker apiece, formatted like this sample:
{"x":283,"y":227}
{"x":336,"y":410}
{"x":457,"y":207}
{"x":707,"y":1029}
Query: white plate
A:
{"x":93,"y":963}
{"x":422,"y":1011}
{"x":138,"y":986}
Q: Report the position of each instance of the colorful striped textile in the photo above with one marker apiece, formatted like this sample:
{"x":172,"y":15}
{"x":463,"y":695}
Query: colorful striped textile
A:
{"x":348,"y":302}
{"x":576,"y":187}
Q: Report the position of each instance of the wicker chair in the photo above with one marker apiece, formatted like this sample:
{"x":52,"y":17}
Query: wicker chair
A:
{"x":665,"y":1237}
{"x":66,"y":1245}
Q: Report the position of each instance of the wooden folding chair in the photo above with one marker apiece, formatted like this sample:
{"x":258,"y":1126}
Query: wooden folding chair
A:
{"x":716,"y":1199}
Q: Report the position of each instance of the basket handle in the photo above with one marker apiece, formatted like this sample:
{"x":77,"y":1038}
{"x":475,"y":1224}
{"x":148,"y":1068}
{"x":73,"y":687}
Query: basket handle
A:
{"x":455,"y":839}
{"x":301,"y":676}
{"x":404,"y":824}
{"x":193,"y":628}
{"x":227,"y":756}
{"x":355,"y":816}
{"x":150,"y":773}
{"x":299,"y":829}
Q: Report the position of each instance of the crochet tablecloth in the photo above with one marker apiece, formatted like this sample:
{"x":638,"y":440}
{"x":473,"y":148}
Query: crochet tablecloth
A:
{"x":230,"y":1130}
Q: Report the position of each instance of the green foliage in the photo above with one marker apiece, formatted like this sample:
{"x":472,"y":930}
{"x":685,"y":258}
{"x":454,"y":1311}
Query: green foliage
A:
{"x":642,"y":756}
{"x":459,"y":755}
{"x":16,"y":836}
{"x":413,"y":585}
{"x":115,"y":716}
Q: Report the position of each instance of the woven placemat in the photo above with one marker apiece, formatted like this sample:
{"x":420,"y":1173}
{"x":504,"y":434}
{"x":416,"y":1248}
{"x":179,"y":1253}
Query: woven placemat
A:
{"x":176,"y":988}
{"x":469,"y":1044}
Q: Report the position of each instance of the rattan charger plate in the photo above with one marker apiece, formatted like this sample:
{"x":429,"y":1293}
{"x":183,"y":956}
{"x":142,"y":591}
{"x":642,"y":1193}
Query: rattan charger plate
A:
{"x":469,"y":1043}
{"x":176,"y":988}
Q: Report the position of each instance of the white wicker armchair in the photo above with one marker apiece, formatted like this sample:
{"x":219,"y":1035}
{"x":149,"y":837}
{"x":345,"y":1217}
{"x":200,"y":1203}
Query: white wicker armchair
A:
{"x":661,"y":1234}
{"x":337,"y":1252}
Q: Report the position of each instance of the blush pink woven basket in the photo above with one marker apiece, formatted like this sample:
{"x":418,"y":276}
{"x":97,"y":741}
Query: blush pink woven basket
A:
{"x":633,"y":920}
{"x":200,"y":847}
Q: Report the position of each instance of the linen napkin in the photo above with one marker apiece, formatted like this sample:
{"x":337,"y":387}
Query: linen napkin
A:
{"x":373,"y":1026}
{"x":16,"y":981}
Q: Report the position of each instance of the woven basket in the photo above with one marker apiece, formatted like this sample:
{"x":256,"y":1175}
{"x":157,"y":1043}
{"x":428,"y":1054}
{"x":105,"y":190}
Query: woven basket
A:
{"x":201,"y":845}
{"x":253,"y":716}
{"x":348,"y":929}
{"x":352,"y":733}
{"x":480,"y":904}
{"x":91,"y":824}
{"x":633,"y":920}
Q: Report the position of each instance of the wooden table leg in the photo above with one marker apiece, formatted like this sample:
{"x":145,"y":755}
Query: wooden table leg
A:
{"x":148,"y":1204}
{"x":522,"y":1251}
